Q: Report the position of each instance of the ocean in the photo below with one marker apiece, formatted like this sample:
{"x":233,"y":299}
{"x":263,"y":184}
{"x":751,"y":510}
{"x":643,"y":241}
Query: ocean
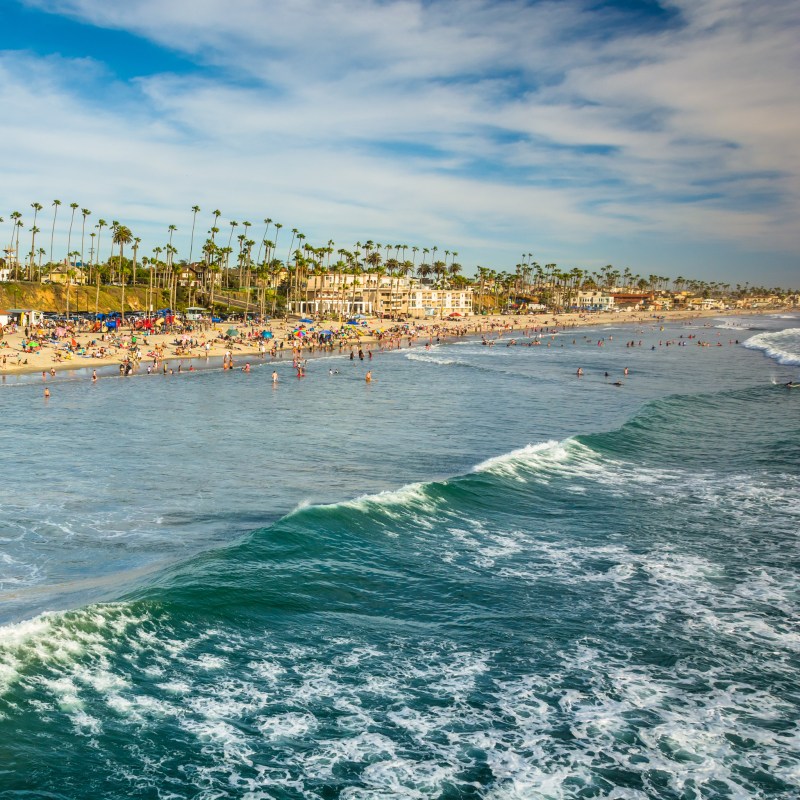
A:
{"x":479,"y":576}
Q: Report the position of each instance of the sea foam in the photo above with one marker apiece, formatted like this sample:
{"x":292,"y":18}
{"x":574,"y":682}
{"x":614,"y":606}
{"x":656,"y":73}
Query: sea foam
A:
{"x":781,"y":346}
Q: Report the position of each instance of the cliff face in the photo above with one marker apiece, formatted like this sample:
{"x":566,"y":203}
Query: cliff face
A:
{"x":81,"y":298}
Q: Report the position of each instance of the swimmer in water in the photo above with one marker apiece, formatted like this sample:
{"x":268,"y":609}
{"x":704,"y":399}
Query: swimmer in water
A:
{"x":579,"y":373}
{"x":94,"y":376}
{"x":274,"y":376}
{"x":46,"y":393}
{"x":368,"y":376}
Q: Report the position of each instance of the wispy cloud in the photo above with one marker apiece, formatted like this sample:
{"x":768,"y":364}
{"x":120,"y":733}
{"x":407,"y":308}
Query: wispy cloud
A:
{"x":495,"y":128}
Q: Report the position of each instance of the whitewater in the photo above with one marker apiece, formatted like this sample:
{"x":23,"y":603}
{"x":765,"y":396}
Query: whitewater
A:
{"x":479,"y":576}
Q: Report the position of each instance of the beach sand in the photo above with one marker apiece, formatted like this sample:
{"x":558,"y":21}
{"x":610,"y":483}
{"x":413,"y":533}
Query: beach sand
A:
{"x":53,"y":356}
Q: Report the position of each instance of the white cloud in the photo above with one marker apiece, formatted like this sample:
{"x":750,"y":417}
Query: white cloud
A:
{"x":541,"y":134}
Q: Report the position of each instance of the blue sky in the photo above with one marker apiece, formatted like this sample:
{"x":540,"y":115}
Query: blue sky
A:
{"x":658,"y":136}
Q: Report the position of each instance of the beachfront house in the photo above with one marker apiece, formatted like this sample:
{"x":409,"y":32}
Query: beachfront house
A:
{"x":593,"y":300}
{"x":189,"y":277}
{"x":633,"y":301}
{"x":63,"y":275}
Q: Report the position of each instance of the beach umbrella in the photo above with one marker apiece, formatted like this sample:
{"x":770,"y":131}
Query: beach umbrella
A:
{"x":266,"y":334}
{"x":306,"y":319}
{"x":232,"y":332}
{"x":327,"y":333}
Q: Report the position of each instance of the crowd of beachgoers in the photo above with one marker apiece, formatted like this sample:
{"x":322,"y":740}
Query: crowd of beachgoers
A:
{"x":69,"y":344}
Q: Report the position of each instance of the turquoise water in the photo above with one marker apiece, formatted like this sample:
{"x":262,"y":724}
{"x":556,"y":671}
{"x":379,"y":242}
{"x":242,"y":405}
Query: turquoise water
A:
{"x":479,"y":576}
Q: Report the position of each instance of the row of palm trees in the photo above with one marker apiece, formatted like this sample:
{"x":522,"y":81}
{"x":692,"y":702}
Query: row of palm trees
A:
{"x":251,"y":263}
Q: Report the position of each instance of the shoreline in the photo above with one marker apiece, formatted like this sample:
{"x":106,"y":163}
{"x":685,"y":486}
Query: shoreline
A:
{"x":377,"y":334}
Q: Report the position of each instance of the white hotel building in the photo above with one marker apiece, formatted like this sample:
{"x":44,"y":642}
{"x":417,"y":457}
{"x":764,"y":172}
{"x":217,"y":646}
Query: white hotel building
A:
{"x":345,"y":294}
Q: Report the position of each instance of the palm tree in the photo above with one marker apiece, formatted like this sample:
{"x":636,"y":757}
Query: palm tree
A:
{"x":114,"y":225}
{"x":195,"y":209}
{"x":288,"y":259}
{"x":56,"y":204}
{"x":101,"y":223}
{"x":74,"y":207}
{"x":214,"y":229}
{"x":16,"y":218}
{"x":37,"y":207}
{"x":20,"y":225}
{"x":267,"y":222}
{"x":171,"y":229}
{"x":483,"y":274}
{"x":136,"y":242}
{"x":122,"y":236}
{"x":84,"y":213}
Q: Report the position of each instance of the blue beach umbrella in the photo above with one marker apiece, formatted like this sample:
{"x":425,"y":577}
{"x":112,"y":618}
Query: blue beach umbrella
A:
{"x":266,"y":334}
{"x":306,"y":319}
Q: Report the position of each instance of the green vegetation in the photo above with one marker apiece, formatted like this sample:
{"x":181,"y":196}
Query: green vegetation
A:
{"x":245,"y":271}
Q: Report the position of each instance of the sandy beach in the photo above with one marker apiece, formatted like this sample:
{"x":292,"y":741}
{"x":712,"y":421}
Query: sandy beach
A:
{"x":92,"y":350}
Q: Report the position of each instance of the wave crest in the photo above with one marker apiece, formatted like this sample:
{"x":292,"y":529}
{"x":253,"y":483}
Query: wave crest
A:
{"x":781,"y":346}
{"x":568,"y":455}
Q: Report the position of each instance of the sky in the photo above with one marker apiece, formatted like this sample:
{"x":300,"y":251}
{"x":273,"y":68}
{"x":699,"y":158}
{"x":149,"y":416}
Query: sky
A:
{"x":659,"y":136}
